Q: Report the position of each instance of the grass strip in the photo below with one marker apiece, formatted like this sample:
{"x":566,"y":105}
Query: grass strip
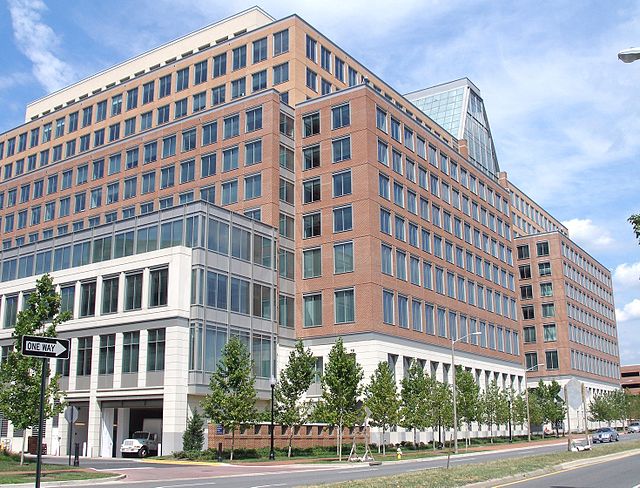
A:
{"x":475,"y":473}
{"x":30,"y":477}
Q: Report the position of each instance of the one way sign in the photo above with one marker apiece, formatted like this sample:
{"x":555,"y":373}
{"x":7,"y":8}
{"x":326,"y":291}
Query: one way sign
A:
{"x":45,"y":347}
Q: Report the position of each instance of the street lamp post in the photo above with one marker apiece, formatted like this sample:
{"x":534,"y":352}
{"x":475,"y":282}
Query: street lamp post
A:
{"x":272,"y":382}
{"x":453,"y":368}
{"x":526,"y":398}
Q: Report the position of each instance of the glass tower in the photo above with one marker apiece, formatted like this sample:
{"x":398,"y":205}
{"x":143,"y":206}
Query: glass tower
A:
{"x":457,"y":106}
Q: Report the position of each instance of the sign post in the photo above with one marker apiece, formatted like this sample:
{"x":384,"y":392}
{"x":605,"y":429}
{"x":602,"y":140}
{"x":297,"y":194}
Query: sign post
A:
{"x":45,"y":348}
{"x":71,"y":416}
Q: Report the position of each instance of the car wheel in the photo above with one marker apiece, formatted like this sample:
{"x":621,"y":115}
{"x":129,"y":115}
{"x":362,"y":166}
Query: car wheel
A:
{"x":143,"y":452}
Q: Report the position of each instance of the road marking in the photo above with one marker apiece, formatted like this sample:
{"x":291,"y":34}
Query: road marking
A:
{"x":267,"y":486}
{"x":190,"y":484}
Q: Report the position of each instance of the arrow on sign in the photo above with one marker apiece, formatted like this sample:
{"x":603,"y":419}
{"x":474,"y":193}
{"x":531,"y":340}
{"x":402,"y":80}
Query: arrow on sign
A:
{"x":45,"y":347}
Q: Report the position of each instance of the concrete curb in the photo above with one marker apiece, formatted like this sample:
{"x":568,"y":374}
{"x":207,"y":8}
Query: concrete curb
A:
{"x":182,"y":462}
{"x":552,"y":469}
{"x":52,"y":484}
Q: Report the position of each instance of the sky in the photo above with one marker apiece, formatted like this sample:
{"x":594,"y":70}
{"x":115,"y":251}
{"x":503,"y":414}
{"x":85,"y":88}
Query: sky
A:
{"x":563,"y":109}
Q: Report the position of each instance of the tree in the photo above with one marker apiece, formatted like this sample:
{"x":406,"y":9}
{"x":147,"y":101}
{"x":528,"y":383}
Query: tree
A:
{"x":634,"y":220}
{"x":193,"y":437}
{"x":233,"y":395}
{"x":381,"y":397}
{"x":491,"y":400}
{"x":20,"y":376}
{"x":295,"y":380}
{"x":341,"y":389}
{"x":600,"y":408}
{"x":519,"y":407}
{"x":467,"y":398}
{"x":441,"y":407}
{"x":552,"y":408}
{"x":414,"y":411}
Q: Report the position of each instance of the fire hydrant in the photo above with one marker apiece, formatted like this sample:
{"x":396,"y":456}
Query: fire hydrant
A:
{"x":399,"y":454}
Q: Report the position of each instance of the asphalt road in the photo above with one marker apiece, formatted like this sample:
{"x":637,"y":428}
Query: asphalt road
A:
{"x":147,"y":475}
{"x":619,"y":473}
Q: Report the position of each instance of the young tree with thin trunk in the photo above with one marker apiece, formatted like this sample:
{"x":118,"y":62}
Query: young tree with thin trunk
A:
{"x":20,"y":376}
{"x":193,"y":436}
{"x":491,"y":399}
{"x":467,"y":398}
{"x":381,"y":397}
{"x":232,"y":399}
{"x":519,"y":410}
{"x":414,"y":410}
{"x":295,"y":379}
{"x":341,"y":389}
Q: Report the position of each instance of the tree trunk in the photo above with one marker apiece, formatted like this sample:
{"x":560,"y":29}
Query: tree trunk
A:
{"x":415,"y":438}
{"x":340,"y":442}
{"x":384,"y":444}
{"x":24,"y":437}
{"x":233,"y":439}
{"x":290,"y":440}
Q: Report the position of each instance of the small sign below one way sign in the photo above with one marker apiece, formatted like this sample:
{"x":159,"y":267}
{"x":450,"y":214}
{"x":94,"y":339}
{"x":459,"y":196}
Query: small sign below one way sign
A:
{"x":45,"y":347}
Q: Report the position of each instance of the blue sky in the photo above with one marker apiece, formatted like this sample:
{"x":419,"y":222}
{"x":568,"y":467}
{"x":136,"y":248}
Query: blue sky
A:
{"x":563,"y":110}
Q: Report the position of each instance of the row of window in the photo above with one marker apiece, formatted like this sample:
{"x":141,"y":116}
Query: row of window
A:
{"x":215,"y":235}
{"x":592,"y":364}
{"x":580,"y":296}
{"x":526,"y":291}
{"x":434,"y":278}
{"x":583,"y":263}
{"x":533,"y":213}
{"x":343,"y":306}
{"x":587,"y":318}
{"x":573,"y":274}
{"x":446,"y":323}
{"x":529,"y":333}
{"x":106,"y":345}
{"x":550,"y":363}
{"x":155,"y":90}
{"x":444,"y":249}
{"x":342,"y":260}
{"x":548,"y":311}
{"x":542,"y":250}
{"x":81,"y":300}
{"x":544,"y":269}
{"x":405,"y":136}
{"x":594,"y":341}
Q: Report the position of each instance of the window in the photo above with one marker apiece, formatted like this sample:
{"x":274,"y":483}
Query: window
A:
{"x":148,"y":182}
{"x":200,"y":69}
{"x":286,"y":191}
{"x":229,"y":192}
{"x":130,"y":351}
{"x":155,"y":349}
{"x":88,"y":299}
{"x":280,"y":42}
{"x":130,"y":185}
{"x":311,"y":190}
{"x":311,"y":263}
{"x":189,"y":140}
{"x":132,"y":98}
{"x":529,"y":335}
{"x":231,"y":126}
{"x":341,"y":149}
{"x":209,"y":133}
{"x":261,"y":301}
{"x":526,"y":292}
{"x":167,"y":176}
{"x":343,"y":257}
{"x":344,"y":306}
{"x":83,"y":367}
{"x":551,"y":359}
{"x":107,"y":354}
{"x":544,"y":269}
{"x":340,"y":116}
{"x":259,"y":81}
{"x":239,"y":57}
{"x":158,"y":293}
{"x":312,"y":310}
{"x":132,"y":158}
{"x":110,"y":295}
{"x":101,"y":111}
{"x":238,"y":88}
{"x":342,"y":219}
{"x":312,"y":80}
{"x":525,"y":272}
{"x":542,"y":248}
{"x":311,"y":225}
{"x":548,"y":310}
{"x":259,"y":50}
{"x":147,"y":92}
{"x":187,"y":171}
{"x":342,"y":184}
{"x":528,"y":312}
{"x":523,"y":252}
{"x":546,"y":289}
{"x":281,"y":73}
{"x":311,"y":124}
{"x":550,"y":333}
{"x":253,"y":186}
{"x":133,"y":291}
{"x":311,"y":48}
{"x":218,"y":95}
{"x":150,"y":152}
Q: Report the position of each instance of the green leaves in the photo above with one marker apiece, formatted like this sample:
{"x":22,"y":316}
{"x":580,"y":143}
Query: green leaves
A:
{"x":381,"y":397}
{"x":414,"y":404}
{"x":233,"y":395}
{"x":634,"y":220}
{"x":193,"y":437}
{"x":20,"y":376}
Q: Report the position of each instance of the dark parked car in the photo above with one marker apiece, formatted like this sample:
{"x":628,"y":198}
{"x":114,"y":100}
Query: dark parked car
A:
{"x":605,"y":434}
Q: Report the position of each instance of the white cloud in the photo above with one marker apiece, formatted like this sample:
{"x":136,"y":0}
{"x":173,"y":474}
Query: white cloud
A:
{"x":630,"y":311}
{"x":588,"y":234}
{"x":627,"y":275}
{"x":38,"y":42}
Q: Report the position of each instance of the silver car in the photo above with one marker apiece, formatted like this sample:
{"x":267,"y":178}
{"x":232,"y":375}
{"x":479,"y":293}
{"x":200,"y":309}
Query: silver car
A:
{"x":633,"y":428}
{"x":605,"y":434}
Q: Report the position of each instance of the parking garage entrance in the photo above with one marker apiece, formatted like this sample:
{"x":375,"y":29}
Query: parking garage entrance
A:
{"x":121,"y":418}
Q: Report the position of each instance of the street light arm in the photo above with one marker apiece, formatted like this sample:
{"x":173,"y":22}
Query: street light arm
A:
{"x":455,"y":341}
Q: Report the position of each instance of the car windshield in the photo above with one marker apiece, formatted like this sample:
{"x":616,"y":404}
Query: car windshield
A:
{"x":602,"y":430}
{"x":141,"y":435}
